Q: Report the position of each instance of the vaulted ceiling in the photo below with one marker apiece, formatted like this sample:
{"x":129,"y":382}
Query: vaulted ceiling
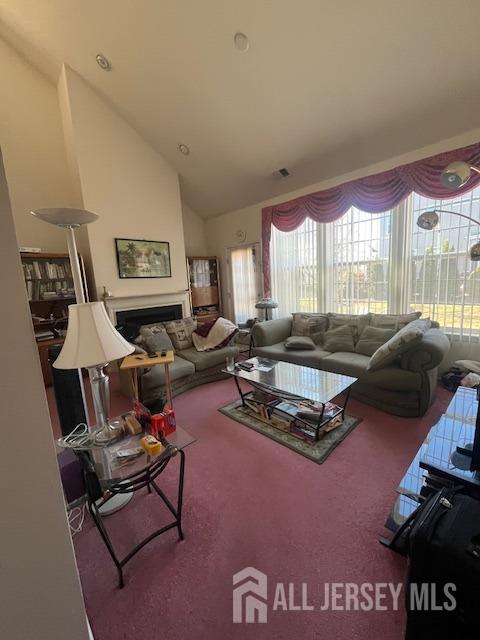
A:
{"x":325,"y":87}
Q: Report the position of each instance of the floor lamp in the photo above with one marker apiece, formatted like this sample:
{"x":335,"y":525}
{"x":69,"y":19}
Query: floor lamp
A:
{"x":92,"y":341}
{"x":462,"y":457}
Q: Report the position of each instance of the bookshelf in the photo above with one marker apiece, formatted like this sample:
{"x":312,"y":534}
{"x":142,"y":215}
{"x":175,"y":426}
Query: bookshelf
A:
{"x":50,"y":289}
{"x":204,"y":279}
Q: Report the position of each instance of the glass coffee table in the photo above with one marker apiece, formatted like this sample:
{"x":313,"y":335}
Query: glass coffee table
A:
{"x":301,"y":394}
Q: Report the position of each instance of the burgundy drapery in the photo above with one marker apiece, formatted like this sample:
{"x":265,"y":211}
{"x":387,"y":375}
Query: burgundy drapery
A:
{"x":373,"y":194}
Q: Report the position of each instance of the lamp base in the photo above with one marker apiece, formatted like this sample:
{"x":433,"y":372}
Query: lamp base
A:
{"x":115,"y":504}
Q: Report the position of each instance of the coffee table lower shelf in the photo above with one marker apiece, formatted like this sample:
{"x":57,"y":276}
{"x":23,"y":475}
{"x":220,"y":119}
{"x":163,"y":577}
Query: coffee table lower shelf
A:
{"x":312,"y":432}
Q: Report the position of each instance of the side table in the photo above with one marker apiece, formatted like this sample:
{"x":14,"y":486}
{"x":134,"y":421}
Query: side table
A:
{"x":106,"y":478}
{"x":137,"y":361}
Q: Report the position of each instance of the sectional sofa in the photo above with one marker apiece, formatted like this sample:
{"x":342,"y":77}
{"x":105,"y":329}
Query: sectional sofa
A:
{"x":405,"y":386}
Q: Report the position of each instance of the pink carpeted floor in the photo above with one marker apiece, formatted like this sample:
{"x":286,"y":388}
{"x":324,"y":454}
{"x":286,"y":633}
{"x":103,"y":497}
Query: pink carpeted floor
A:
{"x":252,"y":502}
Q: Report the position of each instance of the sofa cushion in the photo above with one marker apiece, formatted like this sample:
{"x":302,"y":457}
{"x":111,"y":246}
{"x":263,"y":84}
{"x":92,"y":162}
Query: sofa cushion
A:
{"x":155,"y":329}
{"x":154,"y":378}
{"x":393,"y":321}
{"x":358,"y":322}
{"x":299,"y":343}
{"x":403,"y":340}
{"x":340,"y":339}
{"x":159,"y":341}
{"x":355,"y":364}
{"x":309,"y":324}
{"x":306,"y":358}
{"x":207,"y":359}
{"x":372,"y":339}
{"x":180,"y":332}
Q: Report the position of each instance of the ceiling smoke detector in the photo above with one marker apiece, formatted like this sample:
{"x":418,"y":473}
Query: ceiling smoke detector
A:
{"x":281,"y":173}
{"x":103,"y":62}
{"x":241,"y":42}
{"x":184,"y":149}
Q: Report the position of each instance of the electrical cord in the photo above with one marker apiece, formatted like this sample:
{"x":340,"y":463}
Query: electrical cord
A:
{"x":76,"y":517}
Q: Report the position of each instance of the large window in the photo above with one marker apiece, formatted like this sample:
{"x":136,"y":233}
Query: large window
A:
{"x":360,"y":260}
{"x":384,"y":263}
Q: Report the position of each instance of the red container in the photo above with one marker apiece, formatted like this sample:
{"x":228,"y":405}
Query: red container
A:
{"x":157,"y":424}
{"x":170,"y":423}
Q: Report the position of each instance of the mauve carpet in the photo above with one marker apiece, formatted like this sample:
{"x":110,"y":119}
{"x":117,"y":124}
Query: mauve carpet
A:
{"x":252,"y":502}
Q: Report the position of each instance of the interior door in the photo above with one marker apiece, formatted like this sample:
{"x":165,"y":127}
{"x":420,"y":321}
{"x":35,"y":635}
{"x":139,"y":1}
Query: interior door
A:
{"x":245,"y":280}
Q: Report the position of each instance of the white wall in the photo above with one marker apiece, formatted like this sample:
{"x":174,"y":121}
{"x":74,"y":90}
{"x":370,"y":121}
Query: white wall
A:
{"x":41,"y":595}
{"x":132,"y":188}
{"x":32,"y":144}
{"x":195,"y":232}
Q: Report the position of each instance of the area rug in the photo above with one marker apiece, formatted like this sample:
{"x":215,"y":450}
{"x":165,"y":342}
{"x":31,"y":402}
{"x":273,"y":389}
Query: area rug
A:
{"x":317,"y":452}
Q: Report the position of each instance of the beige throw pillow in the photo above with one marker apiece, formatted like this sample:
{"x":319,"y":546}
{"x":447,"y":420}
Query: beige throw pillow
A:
{"x":299,"y":343}
{"x":372,"y":338}
{"x":180,"y":332}
{"x":393,"y":321}
{"x":309,"y":324}
{"x":403,"y":340}
{"x":357,"y":322}
{"x":339,"y":339}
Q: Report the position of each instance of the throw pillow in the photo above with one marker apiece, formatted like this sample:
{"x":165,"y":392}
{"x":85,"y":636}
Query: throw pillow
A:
{"x":158,"y":342}
{"x":339,"y":339}
{"x":156,"y":329}
{"x":299,"y":343}
{"x":372,"y":339}
{"x":307,"y":324}
{"x":393,"y":321}
{"x":403,"y":340}
{"x":357,"y":322}
{"x":180,"y":332}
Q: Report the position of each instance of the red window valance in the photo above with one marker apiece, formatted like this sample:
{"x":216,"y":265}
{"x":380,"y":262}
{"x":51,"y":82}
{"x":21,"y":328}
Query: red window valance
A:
{"x":373,"y":194}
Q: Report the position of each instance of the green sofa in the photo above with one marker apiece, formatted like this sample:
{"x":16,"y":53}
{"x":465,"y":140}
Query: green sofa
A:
{"x":405,"y":387}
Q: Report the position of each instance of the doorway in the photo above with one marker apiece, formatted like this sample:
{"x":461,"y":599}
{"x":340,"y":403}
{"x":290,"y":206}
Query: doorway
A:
{"x":245,"y":280}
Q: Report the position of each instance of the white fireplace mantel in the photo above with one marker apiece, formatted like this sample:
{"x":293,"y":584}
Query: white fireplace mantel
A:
{"x":115,"y":304}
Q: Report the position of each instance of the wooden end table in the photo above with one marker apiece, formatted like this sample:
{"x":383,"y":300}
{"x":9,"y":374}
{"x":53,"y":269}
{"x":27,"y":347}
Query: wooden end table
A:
{"x":136,"y":361}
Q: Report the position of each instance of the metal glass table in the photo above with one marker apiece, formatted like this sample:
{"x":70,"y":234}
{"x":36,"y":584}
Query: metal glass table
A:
{"x":432,"y":466}
{"x":293,"y":382}
{"x":101,"y":463}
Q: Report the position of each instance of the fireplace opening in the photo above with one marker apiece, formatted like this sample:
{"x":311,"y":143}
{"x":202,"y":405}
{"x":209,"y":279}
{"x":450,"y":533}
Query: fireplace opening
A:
{"x":150,"y":315}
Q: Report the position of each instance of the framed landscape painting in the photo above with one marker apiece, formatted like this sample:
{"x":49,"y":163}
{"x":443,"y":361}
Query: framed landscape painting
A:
{"x":143,"y":258}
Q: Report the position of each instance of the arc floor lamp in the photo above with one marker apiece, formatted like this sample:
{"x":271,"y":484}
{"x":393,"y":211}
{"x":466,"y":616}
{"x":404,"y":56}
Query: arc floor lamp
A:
{"x":91,"y":341}
{"x":454,"y":176}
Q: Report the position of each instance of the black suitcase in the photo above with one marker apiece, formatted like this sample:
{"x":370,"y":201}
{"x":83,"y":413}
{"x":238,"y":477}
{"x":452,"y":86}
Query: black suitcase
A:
{"x":442,"y":593}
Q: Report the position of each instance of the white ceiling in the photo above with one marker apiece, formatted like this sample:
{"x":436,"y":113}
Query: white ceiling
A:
{"x":326,"y":87}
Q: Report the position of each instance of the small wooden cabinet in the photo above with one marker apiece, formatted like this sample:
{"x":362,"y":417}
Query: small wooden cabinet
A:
{"x":50,"y":290}
{"x":204,"y":281}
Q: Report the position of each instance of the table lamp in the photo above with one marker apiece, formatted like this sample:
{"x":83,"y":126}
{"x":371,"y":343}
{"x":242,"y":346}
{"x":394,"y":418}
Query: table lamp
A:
{"x":92,"y":342}
{"x":266,"y":303}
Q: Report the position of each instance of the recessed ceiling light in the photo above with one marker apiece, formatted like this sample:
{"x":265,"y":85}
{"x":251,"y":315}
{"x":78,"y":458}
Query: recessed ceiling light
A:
{"x":184,"y":149}
{"x":241,"y":42}
{"x":103,"y":62}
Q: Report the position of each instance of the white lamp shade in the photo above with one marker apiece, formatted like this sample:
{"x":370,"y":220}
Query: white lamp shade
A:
{"x":91,"y":338}
{"x":65,"y":217}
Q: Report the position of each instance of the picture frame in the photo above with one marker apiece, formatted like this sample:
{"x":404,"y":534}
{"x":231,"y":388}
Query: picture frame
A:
{"x":143,"y":258}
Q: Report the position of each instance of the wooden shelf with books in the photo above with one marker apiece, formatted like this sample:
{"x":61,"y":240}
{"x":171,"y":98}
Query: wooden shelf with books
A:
{"x":50,"y":290}
{"x":204,"y":279}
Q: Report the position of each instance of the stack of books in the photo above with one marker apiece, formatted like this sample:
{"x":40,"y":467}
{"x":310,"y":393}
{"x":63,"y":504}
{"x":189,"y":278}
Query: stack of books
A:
{"x":40,"y":336}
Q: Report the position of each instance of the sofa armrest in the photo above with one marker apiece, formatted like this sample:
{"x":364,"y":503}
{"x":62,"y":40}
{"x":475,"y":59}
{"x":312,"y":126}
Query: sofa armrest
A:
{"x":271,"y":332}
{"x":428,"y":353}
